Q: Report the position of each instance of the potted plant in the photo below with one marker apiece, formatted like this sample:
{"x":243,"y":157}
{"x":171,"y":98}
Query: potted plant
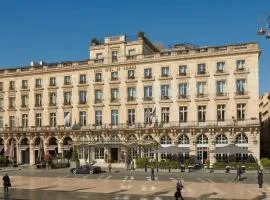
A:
{"x":94,"y":41}
{"x":74,"y":163}
{"x":140,"y":34}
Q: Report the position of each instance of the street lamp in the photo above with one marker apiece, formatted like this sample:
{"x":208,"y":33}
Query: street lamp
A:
{"x":262,"y":31}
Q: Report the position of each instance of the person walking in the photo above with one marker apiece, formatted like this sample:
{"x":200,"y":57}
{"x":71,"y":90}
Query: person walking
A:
{"x":152,"y":174}
{"x":110,"y":167}
{"x":238,"y":173}
{"x":6,"y":183}
{"x":179,"y":187}
{"x":260,"y":178}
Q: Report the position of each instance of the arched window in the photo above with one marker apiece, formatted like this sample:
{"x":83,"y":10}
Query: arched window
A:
{"x":183,"y":139}
{"x":24,"y":141}
{"x":38,"y":140}
{"x":115,"y":138}
{"x":99,"y":138}
{"x":2,"y":141}
{"x":131,"y":138}
{"x":11,"y":140}
{"x":148,"y":138}
{"x":166,"y":140}
{"x":241,"y":139}
{"x":202,"y":139}
{"x":221,"y":139}
{"x":67,"y":141}
{"x":52,"y":141}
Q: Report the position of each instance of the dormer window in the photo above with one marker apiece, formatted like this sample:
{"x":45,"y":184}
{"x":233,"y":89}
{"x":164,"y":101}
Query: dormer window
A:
{"x":240,"y":65}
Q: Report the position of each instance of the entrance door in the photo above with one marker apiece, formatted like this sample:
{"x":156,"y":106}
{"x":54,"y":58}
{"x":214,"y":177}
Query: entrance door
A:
{"x":25,"y":156}
{"x":202,"y":154}
{"x":114,"y":154}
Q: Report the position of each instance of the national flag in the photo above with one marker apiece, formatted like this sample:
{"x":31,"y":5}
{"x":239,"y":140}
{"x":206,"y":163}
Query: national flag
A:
{"x":153,"y":117}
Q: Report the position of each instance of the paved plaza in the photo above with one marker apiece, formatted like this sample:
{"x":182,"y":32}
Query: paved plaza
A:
{"x":61,"y":184}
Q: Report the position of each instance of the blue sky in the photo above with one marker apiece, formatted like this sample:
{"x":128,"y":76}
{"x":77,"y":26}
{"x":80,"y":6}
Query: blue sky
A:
{"x":61,"y":30}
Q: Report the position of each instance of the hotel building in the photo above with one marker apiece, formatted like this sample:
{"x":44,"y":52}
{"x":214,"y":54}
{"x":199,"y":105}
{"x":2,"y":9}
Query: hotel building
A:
{"x":130,"y":94}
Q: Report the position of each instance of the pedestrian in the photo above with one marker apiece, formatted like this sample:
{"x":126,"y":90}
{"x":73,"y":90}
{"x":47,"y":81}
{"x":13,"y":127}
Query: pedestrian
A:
{"x":260,"y":178}
{"x":110,"y":167}
{"x":179,"y":187}
{"x":238,"y":173}
{"x":6,"y":183}
{"x":152,"y":174}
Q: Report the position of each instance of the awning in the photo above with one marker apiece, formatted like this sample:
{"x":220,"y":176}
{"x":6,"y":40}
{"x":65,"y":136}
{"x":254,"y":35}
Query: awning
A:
{"x":230,"y":149}
{"x":172,"y":149}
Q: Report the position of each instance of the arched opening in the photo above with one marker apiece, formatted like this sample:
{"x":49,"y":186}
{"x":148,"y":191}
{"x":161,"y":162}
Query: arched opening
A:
{"x":202,"y":148}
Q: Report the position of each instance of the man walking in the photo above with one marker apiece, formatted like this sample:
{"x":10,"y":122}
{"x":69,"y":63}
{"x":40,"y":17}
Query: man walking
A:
{"x":152,"y":174}
{"x":110,"y":167}
{"x":260,"y":178}
{"x":6,"y":183}
{"x":179,"y":187}
{"x":238,"y":173}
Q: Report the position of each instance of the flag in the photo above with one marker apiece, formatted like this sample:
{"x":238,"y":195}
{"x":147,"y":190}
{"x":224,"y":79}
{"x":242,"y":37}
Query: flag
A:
{"x":153,"y":117}
{"x":147,"y":116}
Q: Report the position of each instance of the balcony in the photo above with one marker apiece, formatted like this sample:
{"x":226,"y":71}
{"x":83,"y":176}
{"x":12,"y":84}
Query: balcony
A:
{"x":241,"y":70}
{"x":131,"y":57}
{"x":220,"y":72}
{"x":114,"y":101}
{"x":202,"y":74}
{"x":182,"y":75}
{"x":25,"y":88}
{"x":24,"y":107}
{"x":12,"y":89}
{"x":202,"y":97}
{"x":183,"y":97}
{"x":82,"y":102}
{"x":148,"y":100}
{"x":131,"y":100}
{"x":98,"y":61}
{"x":11,"y":107}
{"x":114,"y":80}
{"x":241,"y":95}
{"x":52,"y":87}
{"x":52,"y":105}
{"x":148,"y":78}
{"x":131,"y":79}
{"x":67,"y":85}
{"x":165,"y":77}
{"x":98,"y":101}
{"x":165,"y":99}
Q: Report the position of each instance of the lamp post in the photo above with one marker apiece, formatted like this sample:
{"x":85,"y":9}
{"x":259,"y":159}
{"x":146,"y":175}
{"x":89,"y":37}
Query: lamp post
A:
{"x":266,"y":30}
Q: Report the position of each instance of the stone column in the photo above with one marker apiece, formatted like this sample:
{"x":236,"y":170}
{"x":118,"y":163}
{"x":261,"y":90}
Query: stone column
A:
{"x":19,"y":154}
{"x":108,"y":153}
{"x":31,"y":154}
{"x":212,"y":147}
{"x":60,"y":148}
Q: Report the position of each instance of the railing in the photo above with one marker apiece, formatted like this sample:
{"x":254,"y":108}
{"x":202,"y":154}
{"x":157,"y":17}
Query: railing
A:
{"x":201,"y":95}
{"x":183,"y":96}
{"x":221,"y":94}
{"x":98,"y":80}
{"x":114,"y":100}
{"x":165,"y":98}
{"x":133,"y":57}
{"x":98,"y":101}
{"x":148,"y":98}
{"x":98,"y":60}
{"x":175,"y":124}
{"x":240,"y":93}
{"x":131,"y":98}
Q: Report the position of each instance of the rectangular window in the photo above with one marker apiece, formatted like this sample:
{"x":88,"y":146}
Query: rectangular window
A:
{"x":114,"y":117}
{"x":38,"y":83}
{"x":240,"y":65}
{"x":1,"y":104}
{"x":220,"y":88}
{"x":131,"y":52}
{"x":82,"y":79}
{"x":131,"y":93}
{"x":165,"y":115}
{"x":1,"y":122}
{"x":201,"y":89}
{"x":98,"y":117}
{"x":52,"y":81}
{"x":24,"y":84}
{"x":38,"y":100}
{"x":11,"y":103}
{"x":148,"y":73}
{"x":67,"y":98}
{"x":114,"y":95}
{"x":131,"y":116}
{"x":148,"y":115}
{"x":240,"y":86}
{"x":98,"y":96}
{"x":82,"y":97}
{"x":53,"y":119}
{"x":114,"y":76}
{"x":98,"y":77}
{"x":182,"y":70}
{"x":221,"y":112}
{"x":183,"y":90}
{"x":99,"y":153}
{"x":24,"y":120}
{"x":148,"y":92}
{"x":131,"y":74}
{"x":11,"y":121}
{"x":241,"y":111}
{"x":82,"y":118}
{"x":201,"y":113}
{"x":114,"y":56}
{"x":1,"y":86}
{"x":38,"y":119}
{"x":67,"y":119}
{"x":24,"y":101}
{"x":165,"y":71}
{"x":52,"y":99}
{"x":11,"y":85}
{"x":67,"y":80}
{"x":183,"y":113}
{"x":165,"y":91}
{"x":201,"y":68}
{"x":220,"y":67}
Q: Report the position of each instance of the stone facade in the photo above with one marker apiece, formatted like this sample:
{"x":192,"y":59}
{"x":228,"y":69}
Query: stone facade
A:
{"x":186,"y":96}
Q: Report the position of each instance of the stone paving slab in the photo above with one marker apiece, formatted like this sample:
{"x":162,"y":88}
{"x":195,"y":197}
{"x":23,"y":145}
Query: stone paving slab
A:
{"x":136,"y":187}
